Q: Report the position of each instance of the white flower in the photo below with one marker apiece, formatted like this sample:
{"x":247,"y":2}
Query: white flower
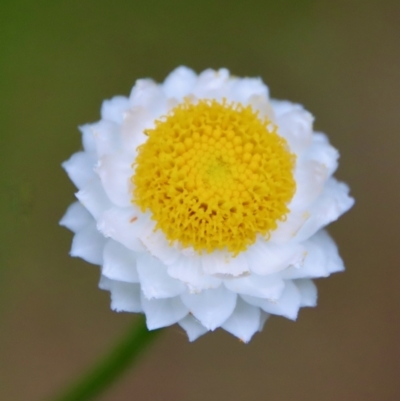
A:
{"x":204,"y":202}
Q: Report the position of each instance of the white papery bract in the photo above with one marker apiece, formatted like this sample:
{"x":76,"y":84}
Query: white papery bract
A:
{"x":147,"y":272}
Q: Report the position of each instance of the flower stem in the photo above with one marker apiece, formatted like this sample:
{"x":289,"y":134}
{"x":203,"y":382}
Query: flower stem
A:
{"x":106,"y":371}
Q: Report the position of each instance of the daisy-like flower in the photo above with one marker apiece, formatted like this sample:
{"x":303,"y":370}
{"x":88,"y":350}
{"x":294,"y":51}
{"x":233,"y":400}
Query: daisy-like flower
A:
{"x":204,"y":203}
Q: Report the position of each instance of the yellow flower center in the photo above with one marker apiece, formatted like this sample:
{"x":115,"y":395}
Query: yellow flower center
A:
{"x":214,"y":175}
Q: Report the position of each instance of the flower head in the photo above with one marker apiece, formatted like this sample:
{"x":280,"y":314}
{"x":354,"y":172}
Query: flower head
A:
{"x":204,"y":202}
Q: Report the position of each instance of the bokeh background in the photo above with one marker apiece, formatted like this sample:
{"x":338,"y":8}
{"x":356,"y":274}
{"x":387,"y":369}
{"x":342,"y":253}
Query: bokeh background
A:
{"x":60,"y":59}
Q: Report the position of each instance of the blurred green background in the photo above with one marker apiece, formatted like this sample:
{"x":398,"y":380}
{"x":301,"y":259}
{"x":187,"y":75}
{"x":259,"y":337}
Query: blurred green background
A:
{"x":60,"y":59}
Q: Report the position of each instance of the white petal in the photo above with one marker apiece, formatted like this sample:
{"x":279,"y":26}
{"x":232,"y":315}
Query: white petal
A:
{"x":179,"y":83}
{"x":115,"y":172}
{"x":270,"y":286}
{"x":244,"y":321}
{"x":243,"y":89}
{"x":88,"y":142}
{"x":308,"y":292}
{"x":263,"y":318}
{"x":211,"y":307}
{"x":146,"y":93}
{"x":158,"y":246}
{"x":334,"y":261}
{"x":321,"y":259}
{"x":105,"y":283}
{"x":106,"y":137}
{"x":80,"y":169}
{"x":88,"y":244}
{"x":114,"y":108}
{"x":76,"y":217}
{"x":333,"y":202}
{"x":282,"y":107}
{"x":266,"y":258}
{"x":288,"y":228}
{"x":221,"y":262}
{"x":163,"y":312}
{"x":325,"y":242}
{"x":310,"y":177}
{"x":263,"y":106}
{"x":287,"y":305}
{"x":119,"y":263}
{"x":323,"y":152}
{"x":212,"y":84}
{"x":93,"y":198}
{"x":125,"y":297}
{"x":188,"y":270}
{"x":194,"y":329}
{"x":124,"y":225}
{"x":302,"y":224}
{"x":154,"y":279}
{"x":136,"y":120}
{"x":295,"y":125}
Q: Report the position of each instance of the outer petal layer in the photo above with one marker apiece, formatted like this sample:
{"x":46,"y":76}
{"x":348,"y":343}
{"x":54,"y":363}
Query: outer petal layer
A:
{"x":211,"y":307}
{"x":125,"y":297}
{"x":163,"y":312}
{"x":88,"y":244}
{"x":244,"y":321}
{"x":287,"y":305}
{"x":80,"y":168}
{"x":76,"y":217}
{"x":193,"y":327}
{"x":119,"y":263}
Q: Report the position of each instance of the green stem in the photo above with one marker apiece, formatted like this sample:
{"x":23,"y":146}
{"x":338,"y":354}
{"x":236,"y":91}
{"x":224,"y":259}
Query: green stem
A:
{"x":106,"y":371}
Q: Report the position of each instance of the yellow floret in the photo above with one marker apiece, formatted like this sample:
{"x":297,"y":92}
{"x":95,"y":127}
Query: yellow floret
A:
{"x":214,"y":175}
